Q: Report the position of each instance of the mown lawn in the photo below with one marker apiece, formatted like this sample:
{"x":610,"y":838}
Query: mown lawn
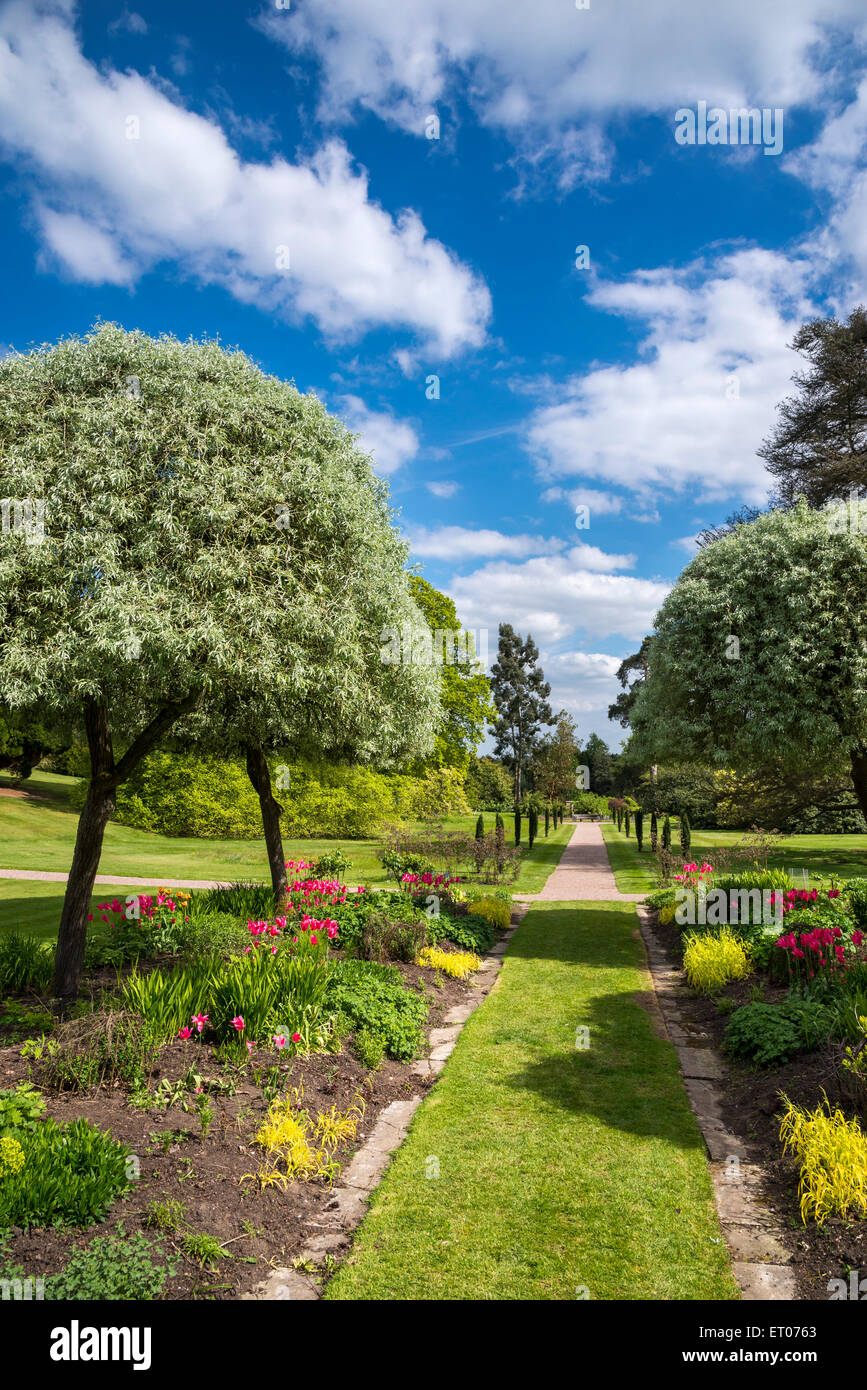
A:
{"x":843,"y":855}
{"x":34,"y":907}
{"x":40,"y":834}
{"x":559,"y":1170}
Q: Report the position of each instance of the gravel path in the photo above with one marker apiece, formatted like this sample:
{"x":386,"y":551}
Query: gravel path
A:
{"x":584,"y":872}
{"x":43,"y":876}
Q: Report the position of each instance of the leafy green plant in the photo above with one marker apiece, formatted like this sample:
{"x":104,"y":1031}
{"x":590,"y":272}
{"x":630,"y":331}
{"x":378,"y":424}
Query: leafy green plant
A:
{"x":168,"y":999}
{"x":772,"y":1033}
{"x":469,"y":931}
{"x":73,"y":1173}
{"x":369,"y":1048}
{"x":205,"y":1249}
{"x":373,"y":996}
{"x":21,"y":1109}
{"x":116,"y":1267}
{"x":168,"y":1215}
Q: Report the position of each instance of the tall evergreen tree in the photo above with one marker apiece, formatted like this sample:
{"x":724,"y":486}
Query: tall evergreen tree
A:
{"x":599,"y":760}
{"x":520,"y":694}
{"x":819,"y":447}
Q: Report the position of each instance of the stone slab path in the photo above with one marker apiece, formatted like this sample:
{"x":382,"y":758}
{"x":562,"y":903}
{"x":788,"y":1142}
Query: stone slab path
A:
{"x":584,"y":872}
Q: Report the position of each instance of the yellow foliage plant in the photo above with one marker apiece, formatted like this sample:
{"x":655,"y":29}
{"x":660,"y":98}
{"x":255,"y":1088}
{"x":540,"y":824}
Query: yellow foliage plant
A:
{"x":494,"y":911}
{"x":458,"y":964}
{"x":832,"y":1153}
{"x":714,"y":959}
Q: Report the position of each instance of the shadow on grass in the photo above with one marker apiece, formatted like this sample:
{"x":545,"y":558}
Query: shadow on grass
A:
{"x":627,"y":1078}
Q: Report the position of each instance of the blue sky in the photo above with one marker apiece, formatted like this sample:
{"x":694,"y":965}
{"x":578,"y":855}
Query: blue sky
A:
{"x":160,"y":164}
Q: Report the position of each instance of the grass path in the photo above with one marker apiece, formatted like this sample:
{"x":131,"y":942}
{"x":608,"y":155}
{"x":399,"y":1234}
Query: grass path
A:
{"x":559,"y":1169}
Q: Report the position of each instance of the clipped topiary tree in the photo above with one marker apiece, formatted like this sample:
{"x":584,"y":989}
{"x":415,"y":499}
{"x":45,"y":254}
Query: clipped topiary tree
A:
{"x":685,"y":832}
{"x":200,"y":520}
{"x":480,"y":827}
{"x":517,"y":827}
{"x":639,"y":829}
{"x":499,"y":827}
{"x":666,"y":833}
{"x":627,"y":820}
{"x":547,"y":820}
{"x":532,"y":826}
{"x":654,"y":832}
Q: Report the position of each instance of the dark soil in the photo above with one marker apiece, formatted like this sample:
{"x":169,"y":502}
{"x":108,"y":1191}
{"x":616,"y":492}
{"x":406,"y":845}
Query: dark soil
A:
{"x":260,"y":1229}
{"x":752,"y":1110}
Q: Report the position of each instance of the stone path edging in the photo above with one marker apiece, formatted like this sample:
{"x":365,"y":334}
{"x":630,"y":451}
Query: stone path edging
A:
{"x":348,"y":1203}
{"x":752,"y":1233}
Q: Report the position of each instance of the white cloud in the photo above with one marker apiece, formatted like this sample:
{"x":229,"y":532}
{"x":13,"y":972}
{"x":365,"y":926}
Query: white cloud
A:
{"x":86,"y":253}
{"x":458,"y":543}
{"x":392,"y":442}
{"x":130,"y":22}
{"x":538,"y":74}
{"x":714,"y":352}
{"x":600,"y":503}
{"x":443,"y":489}
{"x":585,"y":684}
{"x":179,"y":191}
{"x":689,"y":544}
{"x":555,"y":597}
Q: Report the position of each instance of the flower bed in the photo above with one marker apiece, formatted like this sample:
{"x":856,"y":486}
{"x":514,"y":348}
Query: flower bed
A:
{"x":786,"y":1001}
{"x":228,"y":1058}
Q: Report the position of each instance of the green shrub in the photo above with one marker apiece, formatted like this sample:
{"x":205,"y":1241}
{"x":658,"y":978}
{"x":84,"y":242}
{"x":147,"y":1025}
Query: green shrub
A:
{"x":372,"y":996}
{"x":662,"y":897}
{"x":72,"y":1173}
{"x":117,"y":1267}
{"x":396,"y":863}
{"x":24,"y":962}
{"x":333,"y":865}
{"x":772,"y":1033}
{"x":187,"y":794}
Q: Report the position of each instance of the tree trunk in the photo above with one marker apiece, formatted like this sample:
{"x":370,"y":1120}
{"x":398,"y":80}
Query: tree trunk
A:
{"x":72,"y":933}
{"x":257,"y":771}
{"x":98,"y":807}
{"x":105,"y":777}
{"x":859,"y":777}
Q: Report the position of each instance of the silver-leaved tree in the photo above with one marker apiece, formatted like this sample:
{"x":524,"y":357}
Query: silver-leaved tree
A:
{"x":192,"y":544}
{"x":760,"y":651}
